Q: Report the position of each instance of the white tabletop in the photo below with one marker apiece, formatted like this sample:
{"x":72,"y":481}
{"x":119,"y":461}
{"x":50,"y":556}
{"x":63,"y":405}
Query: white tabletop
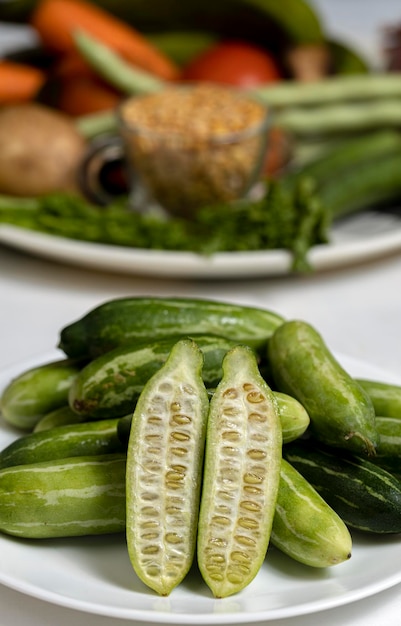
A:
{"x":357,"y":310}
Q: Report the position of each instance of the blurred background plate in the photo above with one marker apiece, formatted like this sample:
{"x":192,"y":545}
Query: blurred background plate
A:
{"x":359,"y":238}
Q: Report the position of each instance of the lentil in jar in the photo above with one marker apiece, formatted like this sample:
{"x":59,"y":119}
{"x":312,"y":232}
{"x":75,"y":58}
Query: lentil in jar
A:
{"x":192,"y":146}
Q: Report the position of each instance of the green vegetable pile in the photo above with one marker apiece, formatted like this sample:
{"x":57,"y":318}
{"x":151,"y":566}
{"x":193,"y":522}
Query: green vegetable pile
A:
{"x":284,"y":218}
{"x":197,"y":451}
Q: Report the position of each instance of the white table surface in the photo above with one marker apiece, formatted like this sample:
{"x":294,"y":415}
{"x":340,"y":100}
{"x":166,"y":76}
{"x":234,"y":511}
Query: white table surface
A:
{"x":357,"y":310}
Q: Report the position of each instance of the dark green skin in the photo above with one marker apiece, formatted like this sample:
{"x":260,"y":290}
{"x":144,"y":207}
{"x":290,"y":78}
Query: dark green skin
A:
{"x":341,"y":412}
{"x":90,"y":438}
{"x":110,"y":385}
{"x":386,"y":397}
{"x":129,"y":320}
{"x":364,"y":495}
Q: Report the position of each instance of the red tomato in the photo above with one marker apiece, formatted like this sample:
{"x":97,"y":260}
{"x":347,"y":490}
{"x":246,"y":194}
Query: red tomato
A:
{"x":234,"y":63}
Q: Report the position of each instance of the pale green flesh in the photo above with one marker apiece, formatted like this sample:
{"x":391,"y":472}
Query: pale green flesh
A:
{"x":241,"y":477}
{"x":164,"y":463}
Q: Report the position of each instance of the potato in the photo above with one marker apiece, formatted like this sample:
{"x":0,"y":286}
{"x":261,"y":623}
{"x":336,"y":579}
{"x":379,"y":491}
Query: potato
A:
{"x":41,"y":150}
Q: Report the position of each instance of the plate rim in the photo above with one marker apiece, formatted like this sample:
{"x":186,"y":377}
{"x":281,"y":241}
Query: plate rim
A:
{"x":220,"y":265}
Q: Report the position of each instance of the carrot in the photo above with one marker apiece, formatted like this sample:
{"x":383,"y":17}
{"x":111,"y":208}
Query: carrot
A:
{"x":56,"y":21}
{"x":19,"y":82}
{"x":82,"y":95}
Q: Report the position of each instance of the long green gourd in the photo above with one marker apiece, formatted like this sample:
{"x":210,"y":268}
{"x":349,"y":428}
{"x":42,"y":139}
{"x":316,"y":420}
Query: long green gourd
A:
{"x":64,"y":498}
{"x":164,"y":469}
{"x":305,"y":527}
{"x":341,"y":412}
{"x":89,"y":438}
{"x":366,"y":496}
{"x":110,"y":385}
{"x":386,"y":397}
{"x":37,"y":391}
{"x":140,"y":319}
{"x":241,"y":476}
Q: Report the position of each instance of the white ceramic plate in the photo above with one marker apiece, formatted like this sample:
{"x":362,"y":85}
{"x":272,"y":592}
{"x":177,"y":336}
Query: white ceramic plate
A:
{"x":361,"y":237}
{"x":93,"y":574}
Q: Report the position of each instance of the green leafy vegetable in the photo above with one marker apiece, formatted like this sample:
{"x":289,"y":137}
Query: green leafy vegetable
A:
{"x":291,"y":219}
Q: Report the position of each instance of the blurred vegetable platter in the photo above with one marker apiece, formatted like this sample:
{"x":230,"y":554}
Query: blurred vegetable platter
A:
{"x":169,"y":39}
{"x":202,"y":430}
{"x":332,"y":118}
